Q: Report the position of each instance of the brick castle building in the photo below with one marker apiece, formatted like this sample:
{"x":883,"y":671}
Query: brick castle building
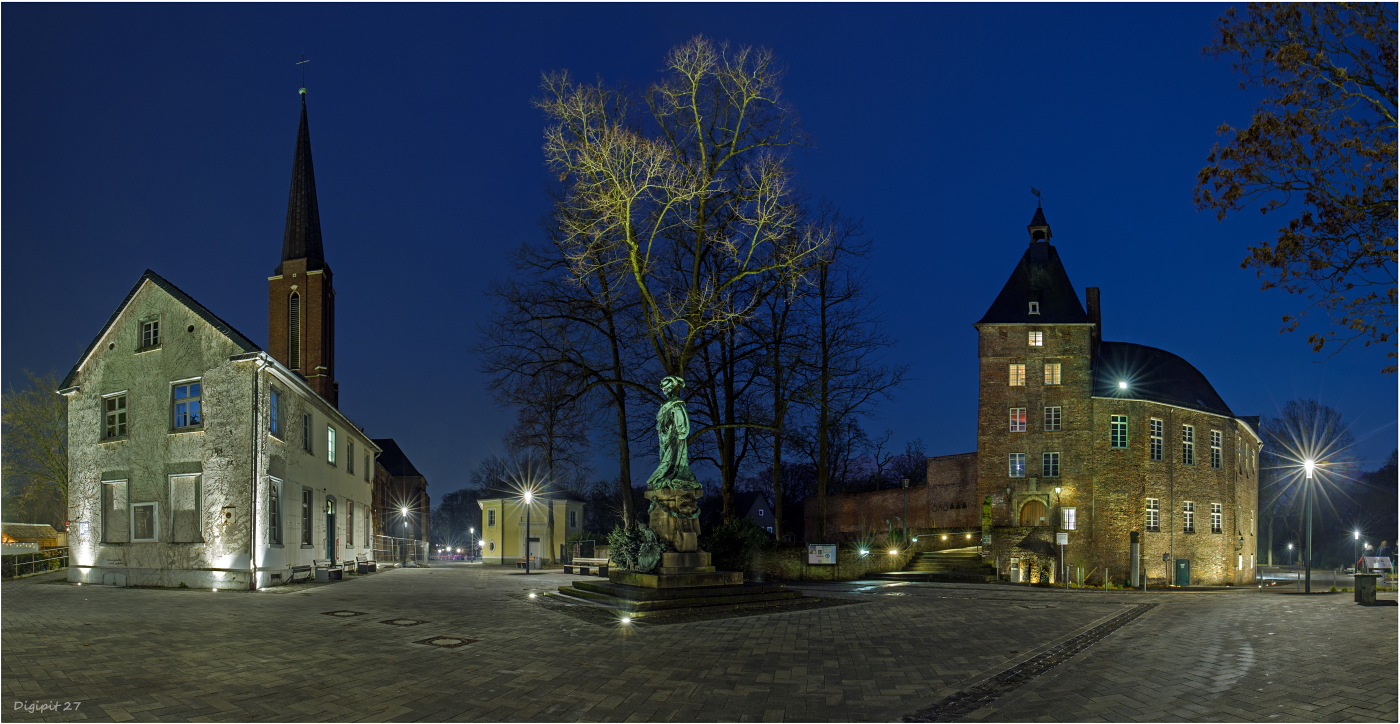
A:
{"x":1105,"y":442}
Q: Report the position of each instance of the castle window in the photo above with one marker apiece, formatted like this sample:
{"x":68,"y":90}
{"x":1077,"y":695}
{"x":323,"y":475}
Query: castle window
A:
{"x":330,"y":445}
{"x":185,"y":408}
{"x":1035,"y":308}
{"x":114,"y":414}
{"x":1215,"y":449}
{"x":1017,"y":463}
{"x":1188,"y":445}
{"x":1018,"y":375}
{"x":1037,"y":339}
{"x":1217,"y":524}
{"x":1118,"y":431}
{"x":1068,"y":518}
{"x":294,"y":331}
{"x":1188,"y":517}
{"x":1154,"y":512}
{"x":1052,"y":419}
{"x":1050,"y":465}
{"x":1018,"y":419}
{"x":1052,"y":373}
{"x":1156,"y":446}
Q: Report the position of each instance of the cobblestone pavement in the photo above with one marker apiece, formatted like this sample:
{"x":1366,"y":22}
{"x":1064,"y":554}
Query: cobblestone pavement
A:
{"x":164,"y":655}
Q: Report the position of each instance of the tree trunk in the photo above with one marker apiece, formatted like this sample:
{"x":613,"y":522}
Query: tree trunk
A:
{"x":823,"y":404}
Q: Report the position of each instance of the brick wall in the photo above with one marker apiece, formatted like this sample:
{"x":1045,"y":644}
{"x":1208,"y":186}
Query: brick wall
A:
{"x":946,"y":502}
{"x":317,"y":324}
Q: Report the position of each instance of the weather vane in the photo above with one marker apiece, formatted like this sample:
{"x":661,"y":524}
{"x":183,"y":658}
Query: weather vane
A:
{"x":304,"y":61}
{"x":1036,"y":191}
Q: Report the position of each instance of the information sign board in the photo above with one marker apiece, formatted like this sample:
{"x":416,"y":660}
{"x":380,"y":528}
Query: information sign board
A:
{"x":1062,"y":539}
{"x":1377,"y":562}
{"x":821,"y":554}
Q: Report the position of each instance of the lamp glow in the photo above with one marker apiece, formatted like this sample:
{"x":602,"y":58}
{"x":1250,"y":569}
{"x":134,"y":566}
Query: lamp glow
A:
{"x":893,"y":552}
{"x":529,"y":496}
{"x":863,"y":552}
{"x":1122,"y":384}
{"x":1308,"y":466}
{"x":627,"y":619}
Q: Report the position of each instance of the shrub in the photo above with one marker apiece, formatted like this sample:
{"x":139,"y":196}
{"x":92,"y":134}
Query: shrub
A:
{"x":635,"y":549}
{"x":734,"y":543}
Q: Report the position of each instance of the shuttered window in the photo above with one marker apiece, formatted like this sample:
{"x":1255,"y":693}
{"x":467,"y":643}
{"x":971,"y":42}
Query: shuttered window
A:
{"x":294,"y":331}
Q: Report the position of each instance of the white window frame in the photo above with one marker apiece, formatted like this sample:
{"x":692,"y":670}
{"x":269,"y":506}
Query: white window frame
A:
{"x":1016,"y":465}
{"x":1069,"y":518}
{"x":1035,"y":339}
{"x":1217,"y":518}
{"x":1018,"y":419}
{"x":1034,"y":308}
{"x":275,"y":517}
{"x":1049,"y":465}
{"x":1017,"y":373}
{"x":491,"y":518}
{"x":1188,"y":444}
{"x":1053,"y":419}
{"x":1216,"y":442}
{"x":1188,"y":516}
{"x":1118,"y":432}
{"x":187,"y":400}
{"x":1154,"y":515}
{"x":1052,"y":373}
{"x":155,"y":521}
{"x":1156,"y":433}
{"x":141,"y":337}
{"x":330,"y":444}
{"x":573,"y":519}
{"x":123,"y":423}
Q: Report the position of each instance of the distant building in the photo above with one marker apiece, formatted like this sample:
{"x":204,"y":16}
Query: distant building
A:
{"x":553,"y":517}
{"x":197,"y":457}
{"x":398,"y":486}
{"x":752,"y":505}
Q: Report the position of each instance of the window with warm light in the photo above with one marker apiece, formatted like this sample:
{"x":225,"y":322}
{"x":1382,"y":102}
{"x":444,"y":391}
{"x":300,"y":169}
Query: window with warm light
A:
{"x":1068,"y":518}
{"x":1018,"y":419}
{"x":1018,"y":375}
{"x":1052,"y":373}
{"x":1037,"y":339}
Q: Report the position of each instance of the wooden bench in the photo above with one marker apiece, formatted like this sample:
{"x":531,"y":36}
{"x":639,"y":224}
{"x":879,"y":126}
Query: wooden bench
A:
{"x":364,"y":565}
{"x":524,"y":563}
{"x":327,"y":571}
{"x":588,"y":567}
{"x":298,"y":570}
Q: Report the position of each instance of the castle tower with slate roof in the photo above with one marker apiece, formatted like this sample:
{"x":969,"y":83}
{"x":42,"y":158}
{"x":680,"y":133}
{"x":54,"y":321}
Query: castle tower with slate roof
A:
{"x":301,"y":298}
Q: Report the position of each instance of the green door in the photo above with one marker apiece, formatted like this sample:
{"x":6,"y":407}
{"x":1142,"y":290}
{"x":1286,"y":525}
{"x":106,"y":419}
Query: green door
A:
{"x":330,"y":529}
{"x":1183,"y":572}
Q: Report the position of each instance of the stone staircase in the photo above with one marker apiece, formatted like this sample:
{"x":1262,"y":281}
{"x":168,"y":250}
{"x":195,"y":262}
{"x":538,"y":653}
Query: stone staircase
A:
{"x":957,"y":565}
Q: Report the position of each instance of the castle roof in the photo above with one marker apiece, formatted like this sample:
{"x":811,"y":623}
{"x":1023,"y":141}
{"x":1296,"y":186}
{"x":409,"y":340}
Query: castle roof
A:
{"x":302,"y":237}
{"x":1155,"y":375}
{"x":1038,"y":277}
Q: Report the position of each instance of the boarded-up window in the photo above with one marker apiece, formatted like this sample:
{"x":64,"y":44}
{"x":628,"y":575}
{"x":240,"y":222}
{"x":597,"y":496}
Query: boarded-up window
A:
{"x":184,"y":510}
{"x":116,"y":521}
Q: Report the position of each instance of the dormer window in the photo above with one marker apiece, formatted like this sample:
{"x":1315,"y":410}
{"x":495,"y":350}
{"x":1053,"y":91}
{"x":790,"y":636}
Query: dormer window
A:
{"x":1035,"y":308}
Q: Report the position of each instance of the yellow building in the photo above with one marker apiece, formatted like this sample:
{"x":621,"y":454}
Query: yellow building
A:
{"x":553,"y":517}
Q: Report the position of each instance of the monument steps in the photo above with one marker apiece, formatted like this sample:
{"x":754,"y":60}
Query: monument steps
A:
{"x":960,"y":565}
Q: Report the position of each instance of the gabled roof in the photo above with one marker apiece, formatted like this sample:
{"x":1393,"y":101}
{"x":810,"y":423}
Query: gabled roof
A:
{"x":302,"y":237}
{"x":394,"y":460}
{"x":243,"y":343}
{"x":1038,"y":277}
{"x":1155,"y":375}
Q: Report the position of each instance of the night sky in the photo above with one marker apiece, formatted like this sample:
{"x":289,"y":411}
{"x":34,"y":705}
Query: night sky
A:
{"x":161,"y":136}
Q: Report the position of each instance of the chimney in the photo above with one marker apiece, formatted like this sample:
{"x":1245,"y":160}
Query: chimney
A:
{"x":1091,"y":299}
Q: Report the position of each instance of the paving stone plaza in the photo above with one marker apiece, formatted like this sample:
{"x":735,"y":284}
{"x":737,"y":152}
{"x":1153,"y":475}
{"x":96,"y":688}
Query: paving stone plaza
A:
{"x":462,"y":642}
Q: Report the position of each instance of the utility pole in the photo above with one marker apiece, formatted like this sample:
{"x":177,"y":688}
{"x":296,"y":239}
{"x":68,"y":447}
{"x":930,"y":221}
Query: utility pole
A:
{"x":905,"y":519}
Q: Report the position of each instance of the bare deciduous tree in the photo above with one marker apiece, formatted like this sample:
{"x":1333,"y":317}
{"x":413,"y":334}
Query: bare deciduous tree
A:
{"x":35,"y":448}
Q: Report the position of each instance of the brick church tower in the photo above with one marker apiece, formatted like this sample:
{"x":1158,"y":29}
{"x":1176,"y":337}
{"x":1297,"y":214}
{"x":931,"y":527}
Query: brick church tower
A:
{"x":301,"y":300}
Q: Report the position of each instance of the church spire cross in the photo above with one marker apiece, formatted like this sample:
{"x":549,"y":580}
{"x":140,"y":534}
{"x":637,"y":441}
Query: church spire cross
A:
{"x":304,"y":61}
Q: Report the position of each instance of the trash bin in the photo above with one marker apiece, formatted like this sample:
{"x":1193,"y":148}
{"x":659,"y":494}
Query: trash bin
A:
{"x":1366,"y":588}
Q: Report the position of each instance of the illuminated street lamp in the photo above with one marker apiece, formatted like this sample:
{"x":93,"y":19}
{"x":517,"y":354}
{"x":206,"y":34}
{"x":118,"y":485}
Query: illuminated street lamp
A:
{"x":1290,"y":555}
{"x":471,"y":551}
{"x":403,"y":555}
{"x":1356,"y":550}
{"x":1308,"y":466}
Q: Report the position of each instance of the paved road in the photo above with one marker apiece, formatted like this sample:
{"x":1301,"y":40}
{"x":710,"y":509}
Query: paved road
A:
{"x":160,"y":655}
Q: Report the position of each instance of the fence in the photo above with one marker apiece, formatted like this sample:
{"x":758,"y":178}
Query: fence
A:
{"x":389,"y":550}
{"x":23,"y":564}
{"x":1322,"y":579}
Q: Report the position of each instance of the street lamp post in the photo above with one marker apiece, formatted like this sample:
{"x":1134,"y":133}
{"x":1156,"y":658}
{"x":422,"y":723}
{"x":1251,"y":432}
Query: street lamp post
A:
{"x":529,"y":496}
{"x":1308,"y":466}
{"x":1290,"y":555}
{"x":1356,"y":549}
{"x":403,"y":547}
{"x":471,"y":552}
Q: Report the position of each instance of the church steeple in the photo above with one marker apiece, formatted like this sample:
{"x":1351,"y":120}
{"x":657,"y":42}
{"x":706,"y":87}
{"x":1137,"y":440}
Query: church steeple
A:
{"x":301,"y":299}
{"x":302,"y":237}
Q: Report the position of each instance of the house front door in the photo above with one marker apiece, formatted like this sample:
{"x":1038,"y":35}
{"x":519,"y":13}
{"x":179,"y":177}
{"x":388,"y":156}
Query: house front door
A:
{"x":330,"y":530}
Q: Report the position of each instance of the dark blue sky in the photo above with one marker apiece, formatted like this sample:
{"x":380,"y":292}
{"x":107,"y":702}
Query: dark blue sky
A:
{"x":161,"y":136}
